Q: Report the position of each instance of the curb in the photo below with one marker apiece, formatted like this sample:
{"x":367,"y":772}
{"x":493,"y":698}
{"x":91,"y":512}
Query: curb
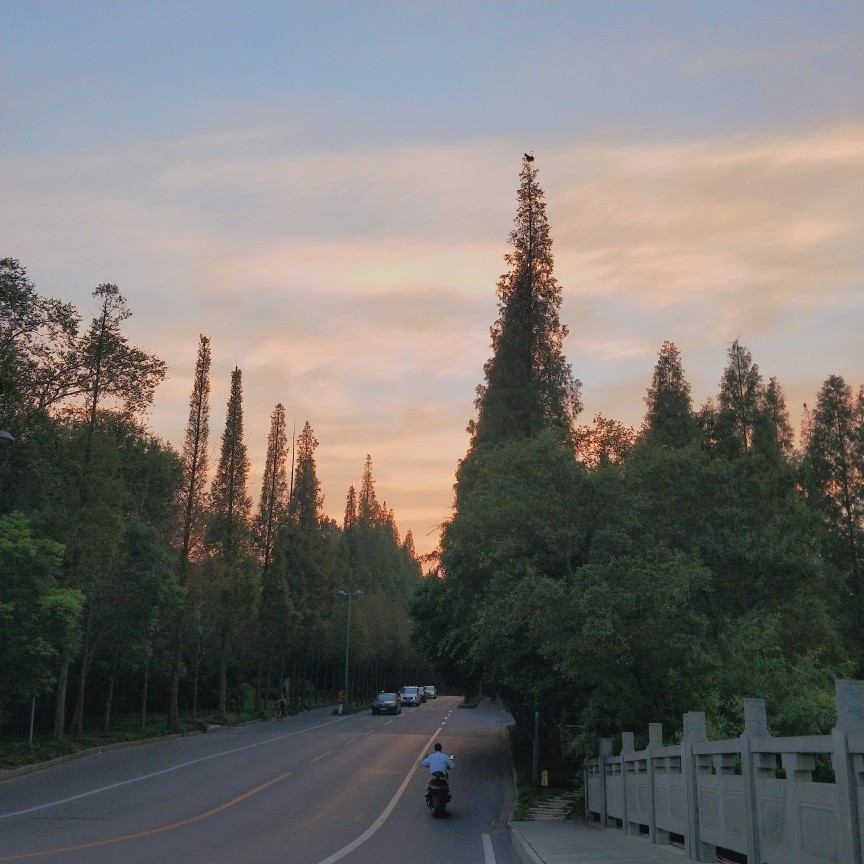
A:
{"x":523,"y":849}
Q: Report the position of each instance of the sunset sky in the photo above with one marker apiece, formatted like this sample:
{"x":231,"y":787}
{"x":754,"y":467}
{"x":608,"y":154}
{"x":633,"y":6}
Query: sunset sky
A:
{"x":325,"y":189}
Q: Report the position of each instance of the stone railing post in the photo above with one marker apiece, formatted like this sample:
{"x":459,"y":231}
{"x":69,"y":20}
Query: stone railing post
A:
{"x":848,"y":768}
{"x":655,"y":741}
{"x":694,"y":731}
{"x":628,"y":746}
{"x":605,"y":753}
{"x":755,"y":726}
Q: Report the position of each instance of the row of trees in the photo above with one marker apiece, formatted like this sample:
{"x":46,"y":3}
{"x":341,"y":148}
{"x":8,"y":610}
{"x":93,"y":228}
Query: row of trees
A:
{"x":611,"y":577}
{"x":132,"y":575}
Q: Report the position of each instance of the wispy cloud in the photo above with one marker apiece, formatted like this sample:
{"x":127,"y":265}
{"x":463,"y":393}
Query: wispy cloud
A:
{"x":357,"y":286}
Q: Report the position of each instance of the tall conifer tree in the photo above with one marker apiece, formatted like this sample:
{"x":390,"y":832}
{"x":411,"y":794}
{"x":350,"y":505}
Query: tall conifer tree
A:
{"x":741,"y":400}
{"x":529,"y":384}
{"x":306,"y":499}
{"x":191,"y":503}
{"x":669,"y":419}
{"x":273,"y":503}
{"x":274,"y":605}
{"x":350,"y":508}
{"x":368,"y":508}
{"x":230,"y":504}
{"x":228,"y":533}
{"x":833,"y":475}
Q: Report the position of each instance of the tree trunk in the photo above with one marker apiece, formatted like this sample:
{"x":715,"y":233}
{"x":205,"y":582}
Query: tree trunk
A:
{"x":173,"y":704}
{"x":78,"y":720}
{"x":60,"y":708}
{"x":109,"y":699}
{"x":176,"y":674}
{"x":144,"y":688}
{"x":223,"y":676}
{"x":259,"y":682}
{"x":195,"y":679}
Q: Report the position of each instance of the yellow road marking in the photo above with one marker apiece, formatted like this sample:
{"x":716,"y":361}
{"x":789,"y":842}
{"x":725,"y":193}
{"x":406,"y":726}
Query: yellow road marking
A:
{"x":151,"y":831}
{"x":321,"y":756}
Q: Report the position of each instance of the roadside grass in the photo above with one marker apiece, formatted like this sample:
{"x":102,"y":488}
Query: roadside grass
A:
{"x":16,"y":752}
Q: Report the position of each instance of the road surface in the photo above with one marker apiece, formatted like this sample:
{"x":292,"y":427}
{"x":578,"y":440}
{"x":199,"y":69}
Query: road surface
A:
{"x":311,"y":789}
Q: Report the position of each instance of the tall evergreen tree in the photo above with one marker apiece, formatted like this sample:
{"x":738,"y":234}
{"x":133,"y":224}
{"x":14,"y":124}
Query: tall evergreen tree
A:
{"x":273,"y":503}
{"x":368,"y":508}
{"x":669,"y":419}
{"x":529,"y":385}
{"x":833,"y":476}
{"x":192,"y":499}
{"x":228,"y":536}
{"x":740,"y":401}
{"x":350,"y":508}
{"x":230,"y":504}
{"x":274,"y":604}
{"x":306,"y":499}
{"x":777,"y":415}
{"x":191,"y":503}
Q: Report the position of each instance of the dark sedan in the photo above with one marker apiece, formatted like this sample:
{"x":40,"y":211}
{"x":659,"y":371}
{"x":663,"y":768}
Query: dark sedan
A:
{"x":387,"y":703}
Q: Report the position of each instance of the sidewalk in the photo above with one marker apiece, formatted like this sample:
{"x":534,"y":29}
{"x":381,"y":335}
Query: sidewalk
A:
{"x":572,"y":842}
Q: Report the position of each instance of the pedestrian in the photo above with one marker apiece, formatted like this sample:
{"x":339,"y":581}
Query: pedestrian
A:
{"x":340,"y":701}
{"x":281,"y":705}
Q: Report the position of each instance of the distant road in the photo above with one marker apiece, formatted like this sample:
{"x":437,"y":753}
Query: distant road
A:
{"x":311,"y":789}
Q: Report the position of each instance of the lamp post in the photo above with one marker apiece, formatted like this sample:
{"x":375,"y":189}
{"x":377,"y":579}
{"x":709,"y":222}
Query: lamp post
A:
{"x":6,"y":440}
{"x":349,"y":595}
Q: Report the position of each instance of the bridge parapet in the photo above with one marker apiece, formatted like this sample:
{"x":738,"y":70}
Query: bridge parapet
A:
{"x":793,"y":800}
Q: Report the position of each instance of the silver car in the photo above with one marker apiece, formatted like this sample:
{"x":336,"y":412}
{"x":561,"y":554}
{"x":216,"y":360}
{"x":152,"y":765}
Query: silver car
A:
{"x":411,"y":695}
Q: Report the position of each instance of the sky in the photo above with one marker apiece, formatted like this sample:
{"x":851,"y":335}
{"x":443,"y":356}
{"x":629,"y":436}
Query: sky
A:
{"x":325,"y":189}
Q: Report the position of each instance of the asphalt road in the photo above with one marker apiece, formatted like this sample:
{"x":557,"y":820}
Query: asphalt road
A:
{"x":311,"y":789}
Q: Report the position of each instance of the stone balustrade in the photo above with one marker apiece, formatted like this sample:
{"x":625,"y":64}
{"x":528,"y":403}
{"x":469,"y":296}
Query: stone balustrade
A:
{"x":797,"y":800}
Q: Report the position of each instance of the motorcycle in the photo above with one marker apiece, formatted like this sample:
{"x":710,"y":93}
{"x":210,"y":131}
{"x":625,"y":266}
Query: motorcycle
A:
{"x":438,"y":793}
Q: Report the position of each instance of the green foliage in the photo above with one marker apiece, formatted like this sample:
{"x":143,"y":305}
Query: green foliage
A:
{"x":110,"y":581}
{"x":643,"y":581}
{"x":39,"y":620}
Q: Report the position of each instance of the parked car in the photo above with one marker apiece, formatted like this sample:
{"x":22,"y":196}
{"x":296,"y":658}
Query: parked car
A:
{"x":387,"y":703}
{"x":431,"y":692}
{"x":411,"y":695}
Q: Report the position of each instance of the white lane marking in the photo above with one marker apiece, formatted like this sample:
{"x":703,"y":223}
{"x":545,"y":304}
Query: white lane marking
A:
{"x":163,"y":771}
{"x":488,"y":853}
{"x":346,"y":850}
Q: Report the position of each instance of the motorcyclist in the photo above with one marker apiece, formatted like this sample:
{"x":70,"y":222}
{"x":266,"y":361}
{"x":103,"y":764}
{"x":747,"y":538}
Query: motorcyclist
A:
{"x":438,"y":761}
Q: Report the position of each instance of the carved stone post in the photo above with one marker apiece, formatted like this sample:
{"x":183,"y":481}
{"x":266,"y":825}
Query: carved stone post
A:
{"x":605,"y":753}
{"x":848,"y":767}
{"x":694,"y":731}
{"x":628,"y":746}
{"x":655,"y":741}
{"x":755,"y":726}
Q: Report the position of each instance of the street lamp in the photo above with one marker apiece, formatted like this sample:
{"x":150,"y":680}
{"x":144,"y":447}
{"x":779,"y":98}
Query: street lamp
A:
{"x":6,"y":439}
{"x":349,"y":595}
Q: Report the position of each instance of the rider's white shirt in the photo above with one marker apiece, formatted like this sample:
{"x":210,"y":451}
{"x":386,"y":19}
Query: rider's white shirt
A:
{"x":437,"y":761}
